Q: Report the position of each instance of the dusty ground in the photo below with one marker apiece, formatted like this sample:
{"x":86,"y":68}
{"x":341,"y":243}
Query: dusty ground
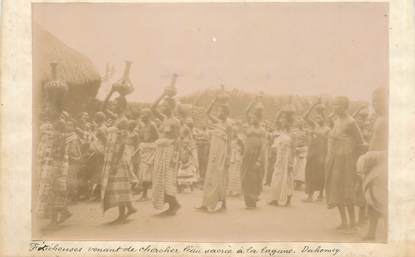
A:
{"x":300,"y":222}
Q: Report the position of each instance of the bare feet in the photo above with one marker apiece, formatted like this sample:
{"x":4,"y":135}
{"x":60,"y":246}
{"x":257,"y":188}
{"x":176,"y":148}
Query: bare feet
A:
{"x":66,"y":215}
{"x":221,"y":209}
{"x":52,"y":224}
{"x":273,"y":203}
{"x":350,"y":230}
{"x":175,"y":208}
{"x":121,"y":219}
{"x":202,"y":208}
{"x":368,"y":238}
{"x":342,"y":227}
{"x":171,"y":211}
{"x":130,"y":211}
{"x":143,"y":199}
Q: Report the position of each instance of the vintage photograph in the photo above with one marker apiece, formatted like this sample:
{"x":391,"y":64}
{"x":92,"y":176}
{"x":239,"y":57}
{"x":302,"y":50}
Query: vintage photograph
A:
{"x":210,"y":122}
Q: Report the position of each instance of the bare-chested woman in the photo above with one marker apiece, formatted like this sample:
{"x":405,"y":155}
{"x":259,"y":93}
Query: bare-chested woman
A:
{"x":317,"y":150}
{"x":373,"y":165}
{"x":116,"y":186}
{"x":253,"y":160}
{"x":214,"y":188}
{"x":344,"y":142}
{"x":166,"y":155}
{"x":148,"y":135}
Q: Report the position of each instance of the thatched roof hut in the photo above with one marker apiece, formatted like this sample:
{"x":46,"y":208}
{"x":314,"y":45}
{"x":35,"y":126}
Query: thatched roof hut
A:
{"x":76,"y":69}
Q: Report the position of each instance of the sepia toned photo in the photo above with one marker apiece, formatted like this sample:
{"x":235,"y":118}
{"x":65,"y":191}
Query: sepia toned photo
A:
{"x":210,"y":122}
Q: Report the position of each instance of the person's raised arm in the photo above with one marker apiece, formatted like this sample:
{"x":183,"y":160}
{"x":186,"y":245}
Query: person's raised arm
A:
{"x":250,"y":106}
{"x":306,"y":116}
{"x":356,"y":134}
{"x":155,"y":105}
{"x":358,"y":111}
{"x":105,"y":106}
{"x":209,"y":111}
{"x":154,"y":131}
{"x":330,"y":119}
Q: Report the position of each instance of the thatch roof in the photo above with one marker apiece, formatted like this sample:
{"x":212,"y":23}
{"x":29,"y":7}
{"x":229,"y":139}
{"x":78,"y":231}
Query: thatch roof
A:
{"x":76,"y":69}
{"x":73,"y":67}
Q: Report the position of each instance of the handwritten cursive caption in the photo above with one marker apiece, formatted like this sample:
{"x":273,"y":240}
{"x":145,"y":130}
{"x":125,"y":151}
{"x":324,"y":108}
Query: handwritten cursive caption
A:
{"x":137,"y":250}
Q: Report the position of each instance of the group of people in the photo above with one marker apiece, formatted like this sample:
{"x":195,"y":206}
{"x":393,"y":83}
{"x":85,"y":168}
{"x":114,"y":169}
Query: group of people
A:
{"x":110,"y":157}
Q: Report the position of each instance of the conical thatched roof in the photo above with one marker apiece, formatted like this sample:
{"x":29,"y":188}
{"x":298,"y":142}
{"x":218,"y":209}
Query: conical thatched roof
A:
{"x":73,"y":67}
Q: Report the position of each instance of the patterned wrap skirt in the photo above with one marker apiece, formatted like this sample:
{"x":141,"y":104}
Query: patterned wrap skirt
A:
{"x":214,"y":188}
{"x":146,"y":163}
{"x":116,"y":181}
{"x":300,"y":161}
{"x":118,"y":188}
{"x":164,"y":172}
{"x":52,"y":165}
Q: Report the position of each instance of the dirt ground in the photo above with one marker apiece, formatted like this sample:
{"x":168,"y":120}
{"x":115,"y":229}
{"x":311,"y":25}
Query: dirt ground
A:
{"x":300,"y":222}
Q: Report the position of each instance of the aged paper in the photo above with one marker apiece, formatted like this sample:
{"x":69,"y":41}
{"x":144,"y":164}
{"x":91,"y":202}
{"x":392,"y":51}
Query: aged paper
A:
{"x":88,"y":175}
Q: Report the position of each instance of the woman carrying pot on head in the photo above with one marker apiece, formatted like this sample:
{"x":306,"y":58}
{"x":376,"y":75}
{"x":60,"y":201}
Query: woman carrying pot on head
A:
{"x":317,"y":150}
{"x":53,"y":168}
{"x":282,"y":184}
{"x":253,"y":161}
{"x":214,"y":189}
{"x":237,"y":151}
{"x":116,"y":183}
{"x":166,"y":154}
{"x":148,"y":135}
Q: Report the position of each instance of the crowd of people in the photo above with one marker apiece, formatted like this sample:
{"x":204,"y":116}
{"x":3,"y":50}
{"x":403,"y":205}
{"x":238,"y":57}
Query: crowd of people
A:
{"x":110,"y":157}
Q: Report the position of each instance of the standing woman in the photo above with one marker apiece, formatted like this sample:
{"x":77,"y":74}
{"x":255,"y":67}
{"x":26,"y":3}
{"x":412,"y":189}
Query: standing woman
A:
{"x":95,"y":162}
{"x":373,"y":165}
{"x":116,"y":185}
{"x":53,"y":155}
{"x":214,"y":189}
{"x":314,"y":173}
{"x":148,"y":135}
{"x":53,"y":168}
{"x":74,"y":161}
{"x":166,"y":154}
{"x":282,"y":185}
{"x":189,"y":165}
{"x":237,"y":149}
{"x":202,"y":141}
{"x":343,"y":149}
{"x":274,"y":134}
{"x":253,"y":162}
{"x":300,"y":155}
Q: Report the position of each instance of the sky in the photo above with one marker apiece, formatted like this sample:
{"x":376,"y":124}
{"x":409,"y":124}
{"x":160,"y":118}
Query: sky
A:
{"x":277,"y":48}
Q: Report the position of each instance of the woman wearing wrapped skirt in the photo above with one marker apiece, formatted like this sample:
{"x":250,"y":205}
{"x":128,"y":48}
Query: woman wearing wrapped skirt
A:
{"x":237,"y":149}
{"x":317,"y":150}
{"x":53,"y":169}
{"x":253,"y":161}
{"x":95,"y":161}
{"x":116,"y":186}
{"x":282,"y":185}
{"x":166,"y":156}
{"x":116,"y":182}
{"x":74,"y":157}
{"x":343,"y":148}
{"x":373,"y":165}
{"x":148,"y":136}
{"x":214,"y":188}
